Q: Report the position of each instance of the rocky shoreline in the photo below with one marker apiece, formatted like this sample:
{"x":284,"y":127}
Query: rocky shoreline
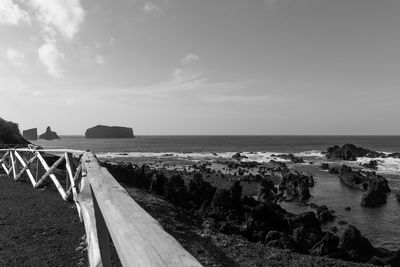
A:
{"x":223,"y":200}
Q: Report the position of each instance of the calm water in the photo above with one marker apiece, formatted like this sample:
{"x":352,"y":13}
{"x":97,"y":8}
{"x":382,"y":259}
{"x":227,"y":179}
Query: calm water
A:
{"x":223,"y":143}
{"x":381,"y":225}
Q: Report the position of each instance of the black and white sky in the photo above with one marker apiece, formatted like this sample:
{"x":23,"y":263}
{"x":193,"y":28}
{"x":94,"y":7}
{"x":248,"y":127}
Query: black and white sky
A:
{"x":202,"y":66}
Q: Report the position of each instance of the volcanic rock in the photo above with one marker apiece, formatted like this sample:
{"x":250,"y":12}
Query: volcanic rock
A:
{"x":394,"y":155}
{"x":157,"y":184}
{"x":30,"y":134}
{"x":296,"y":185}
{"x":351,"y":152}
{"x":376,"y":193}
{"x":266,"y":191}
{"x":325,"y":166}
{"x":290,"y":157}
{"x":373,"y":164}
{"x":324,"y":215}
{"x":326,"y":246}
{"x":354,"y":246}
{"x":200,"y":190}
{"x":101,"y":131}
{"x":238,"y":156}
{"x":176,"y":191}
{"x":49,"y":135}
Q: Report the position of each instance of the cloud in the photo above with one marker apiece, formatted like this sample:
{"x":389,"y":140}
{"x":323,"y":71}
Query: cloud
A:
{"x":100,"y":60}
{"x":62,"y":16}
{"x":182,"y":75}
{"x":37,"y":93}
{"x":150,"y":8}
{"x":51,"y":57}
{"x":15,"y":57}
{"x":12,"y":14}
{"x":70,"y":101}
{"x":111,"y":42}
{"x":189,"y":58}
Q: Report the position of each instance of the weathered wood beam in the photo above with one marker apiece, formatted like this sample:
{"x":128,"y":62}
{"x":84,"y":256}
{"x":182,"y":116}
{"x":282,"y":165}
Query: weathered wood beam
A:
{"x":25,"y":166}
{"x":4,"y":157}
{"x":138,"y":238}
{"x":3,"y":162}
{"x":52,"y":176}
{"x":49,"y":170}
{"x":76,"y":181}
{"x":85,"y":202}
{"x":13,"y":165}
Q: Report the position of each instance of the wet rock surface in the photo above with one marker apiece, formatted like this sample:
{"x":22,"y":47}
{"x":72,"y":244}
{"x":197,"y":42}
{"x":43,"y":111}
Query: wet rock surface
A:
{"x":351,"y":152}
{"x":290,"y":157}
{"x":376,"y":186}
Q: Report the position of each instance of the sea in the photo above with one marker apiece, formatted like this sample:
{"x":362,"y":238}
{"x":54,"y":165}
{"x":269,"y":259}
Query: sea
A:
{"x":381,"y":225}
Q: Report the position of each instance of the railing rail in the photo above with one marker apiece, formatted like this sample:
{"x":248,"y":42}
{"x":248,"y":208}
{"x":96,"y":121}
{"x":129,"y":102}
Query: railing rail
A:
{"x":104,"y":206}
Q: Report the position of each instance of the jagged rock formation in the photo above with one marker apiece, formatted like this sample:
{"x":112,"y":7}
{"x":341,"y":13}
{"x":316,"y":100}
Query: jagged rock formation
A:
{"x":49,"y":135}
{"x":224,"y":210}
{"x":351,"y":152}
{"x":290,"y":157}
{"x":101,"y":131}
{"x":10,"y":134}
{"x":30,"y":134}
{"x":376,"y":186}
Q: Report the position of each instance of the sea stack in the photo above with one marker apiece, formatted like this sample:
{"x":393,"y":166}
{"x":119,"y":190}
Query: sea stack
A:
{"x":30,"y":134}
{"x":101,"y":131}
{"x":49,"y":135}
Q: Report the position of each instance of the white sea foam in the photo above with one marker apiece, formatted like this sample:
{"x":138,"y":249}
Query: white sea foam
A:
{"x":250,"y":156}
{"x":385,"y":165}
{"x":310,"y":153}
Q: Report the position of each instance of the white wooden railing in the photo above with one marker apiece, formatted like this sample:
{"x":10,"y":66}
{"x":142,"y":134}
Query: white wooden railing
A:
{"x":103,"y":205}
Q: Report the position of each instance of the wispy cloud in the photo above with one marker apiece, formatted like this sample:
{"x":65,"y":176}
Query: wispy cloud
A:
{"x":16,"y":57}
{"x":151,"y":8}
{"x":12,"y":14}
{"x":189,"y":58}
{"x":59,"y":16}
{"x":185,"y":84}
{"x":56,"y":18}
{"x":51,"y":57}
{"x":100,"y":60}
{"x":37,"y":93}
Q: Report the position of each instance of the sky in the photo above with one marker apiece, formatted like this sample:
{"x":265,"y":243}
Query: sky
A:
{"x":209,"y":67}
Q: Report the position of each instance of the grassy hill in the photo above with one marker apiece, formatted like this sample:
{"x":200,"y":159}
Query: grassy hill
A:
{"x":10,"y":134}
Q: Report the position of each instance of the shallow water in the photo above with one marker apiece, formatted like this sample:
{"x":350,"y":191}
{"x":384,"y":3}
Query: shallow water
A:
{"x":380,"y":224}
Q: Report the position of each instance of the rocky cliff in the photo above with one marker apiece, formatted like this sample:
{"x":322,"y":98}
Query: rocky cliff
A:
{"x":30,"y":134}
{"x":101,"y":131}
{"x":49,"y":135}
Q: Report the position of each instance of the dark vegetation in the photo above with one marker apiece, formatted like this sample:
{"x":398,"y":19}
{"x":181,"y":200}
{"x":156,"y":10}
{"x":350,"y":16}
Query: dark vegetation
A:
{"x":10,"y":134}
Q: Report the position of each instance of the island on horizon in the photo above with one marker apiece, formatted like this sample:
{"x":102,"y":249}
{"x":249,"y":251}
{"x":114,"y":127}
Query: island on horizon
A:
{"x":102,"y":131}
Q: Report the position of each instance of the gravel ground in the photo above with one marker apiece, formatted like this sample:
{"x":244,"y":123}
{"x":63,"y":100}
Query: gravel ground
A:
{"x":37,"y":228}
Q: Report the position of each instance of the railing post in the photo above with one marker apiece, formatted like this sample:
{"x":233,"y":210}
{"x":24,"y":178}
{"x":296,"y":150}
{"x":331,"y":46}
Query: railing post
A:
{"x":13,"y":163}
